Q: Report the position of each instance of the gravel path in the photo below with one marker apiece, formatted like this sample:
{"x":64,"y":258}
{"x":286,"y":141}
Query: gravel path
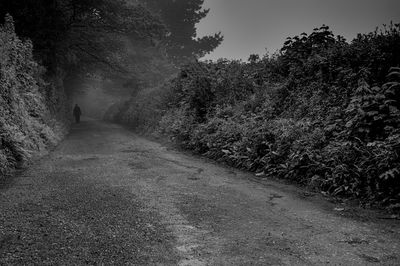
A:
{"x":108,"y":197}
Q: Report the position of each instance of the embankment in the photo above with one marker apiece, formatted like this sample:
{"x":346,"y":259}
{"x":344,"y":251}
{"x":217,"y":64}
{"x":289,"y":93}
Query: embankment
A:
{"x":33,"y":106}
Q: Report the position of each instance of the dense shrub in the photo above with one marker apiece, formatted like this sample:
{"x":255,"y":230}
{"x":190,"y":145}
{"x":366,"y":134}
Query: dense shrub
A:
{"x":28,"y":104}
{"x":323,"y":112}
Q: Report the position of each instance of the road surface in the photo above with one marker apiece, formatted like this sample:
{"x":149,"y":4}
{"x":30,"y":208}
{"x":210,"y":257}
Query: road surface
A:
{"x":107,"y":196}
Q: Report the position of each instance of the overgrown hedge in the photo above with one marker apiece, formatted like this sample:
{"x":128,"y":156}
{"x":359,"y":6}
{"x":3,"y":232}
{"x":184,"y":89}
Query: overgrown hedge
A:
{"x":323,"y":112}
{"x":31,"y":109}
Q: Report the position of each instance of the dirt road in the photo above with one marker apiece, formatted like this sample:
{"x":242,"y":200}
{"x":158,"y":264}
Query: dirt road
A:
{"x":106,"y":196}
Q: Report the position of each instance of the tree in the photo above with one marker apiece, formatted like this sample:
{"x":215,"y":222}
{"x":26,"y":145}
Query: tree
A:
{"x":181,"y":17}
{"x":80,"y":32}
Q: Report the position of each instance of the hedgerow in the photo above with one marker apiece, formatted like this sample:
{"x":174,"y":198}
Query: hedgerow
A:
{"x":28,"y":105}
{"x":323,"y":112}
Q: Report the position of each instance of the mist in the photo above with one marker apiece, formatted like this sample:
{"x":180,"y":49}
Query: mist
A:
{"x":96,"y":96}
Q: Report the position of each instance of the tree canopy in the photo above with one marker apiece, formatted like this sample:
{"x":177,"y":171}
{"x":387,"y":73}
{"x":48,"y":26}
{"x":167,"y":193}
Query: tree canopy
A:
{"x":84,"y":32}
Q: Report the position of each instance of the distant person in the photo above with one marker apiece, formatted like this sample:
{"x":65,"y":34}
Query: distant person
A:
{"x":77,"y":113}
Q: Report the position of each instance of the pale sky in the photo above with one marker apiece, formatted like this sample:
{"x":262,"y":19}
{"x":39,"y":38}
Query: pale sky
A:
{"x":252,"y":26}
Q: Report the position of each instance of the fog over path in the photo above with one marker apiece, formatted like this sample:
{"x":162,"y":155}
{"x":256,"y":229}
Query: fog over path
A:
{"x":107,"y":196}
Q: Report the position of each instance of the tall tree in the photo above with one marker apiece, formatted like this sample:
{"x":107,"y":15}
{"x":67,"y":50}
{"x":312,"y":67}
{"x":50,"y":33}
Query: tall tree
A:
{"x":181,"y":17}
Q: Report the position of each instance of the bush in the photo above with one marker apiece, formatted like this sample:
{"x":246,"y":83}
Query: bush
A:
{"x":28,"y":122}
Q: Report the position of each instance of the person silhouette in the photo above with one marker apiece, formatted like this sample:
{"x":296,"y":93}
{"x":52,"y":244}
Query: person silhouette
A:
{"x":77,"y":113}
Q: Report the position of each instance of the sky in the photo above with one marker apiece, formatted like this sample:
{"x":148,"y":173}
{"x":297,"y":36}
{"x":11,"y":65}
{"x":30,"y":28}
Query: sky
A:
{"x":258,"y":26}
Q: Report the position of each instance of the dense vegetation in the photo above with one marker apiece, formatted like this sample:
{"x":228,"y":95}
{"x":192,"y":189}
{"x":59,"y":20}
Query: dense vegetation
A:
{"x":322,"y":112}
{"x":31,"y":110}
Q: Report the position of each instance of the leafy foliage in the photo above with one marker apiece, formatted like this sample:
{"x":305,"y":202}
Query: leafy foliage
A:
{"x":28,"y":105}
